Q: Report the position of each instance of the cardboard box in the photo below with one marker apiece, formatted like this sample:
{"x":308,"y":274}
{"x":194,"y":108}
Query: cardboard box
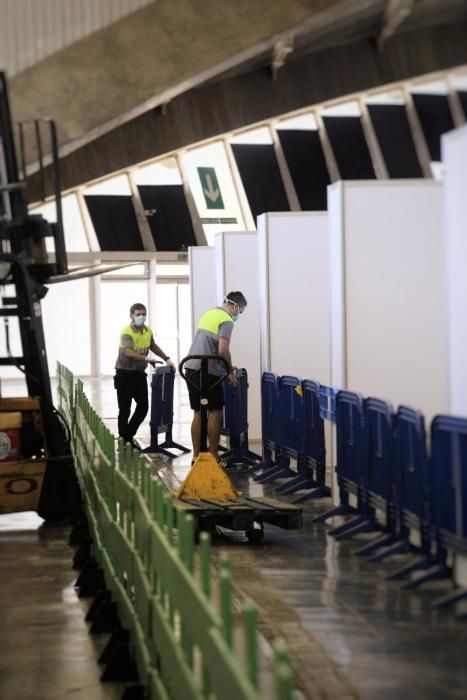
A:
{"x":10,"y":424}
{"x":21,"y":485}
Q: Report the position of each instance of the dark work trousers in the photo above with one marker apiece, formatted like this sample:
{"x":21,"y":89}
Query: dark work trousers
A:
{"x":131,"y":386}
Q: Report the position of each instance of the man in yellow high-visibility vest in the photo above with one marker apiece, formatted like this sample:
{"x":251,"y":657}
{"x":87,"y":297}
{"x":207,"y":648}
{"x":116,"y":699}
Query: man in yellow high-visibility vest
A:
{"x":130,"y":380}
{"x":213,"y":338}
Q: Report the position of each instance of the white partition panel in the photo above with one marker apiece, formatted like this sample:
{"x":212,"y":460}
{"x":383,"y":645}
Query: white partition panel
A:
{"x":389,"y":325}
{"x":202,"y":282}
{"x":294,"y":294}
{"x":293,"y":258}
{"x":237,"y":269}
{"x":455,"y":221}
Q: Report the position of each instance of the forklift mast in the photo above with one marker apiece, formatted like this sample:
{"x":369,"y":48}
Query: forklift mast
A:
{"x":25,"y":267}
{"x":37,"y":470}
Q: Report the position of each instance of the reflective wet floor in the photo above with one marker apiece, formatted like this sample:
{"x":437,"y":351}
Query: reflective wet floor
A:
{"x":45,"y":648}
{"x":351,"y":632}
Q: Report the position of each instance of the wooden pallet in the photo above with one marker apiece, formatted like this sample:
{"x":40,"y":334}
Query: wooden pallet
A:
{"x":242,"y":513}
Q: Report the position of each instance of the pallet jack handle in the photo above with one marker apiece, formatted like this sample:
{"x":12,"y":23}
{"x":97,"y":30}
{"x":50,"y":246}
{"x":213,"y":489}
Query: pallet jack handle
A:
{"x":204,"y":388}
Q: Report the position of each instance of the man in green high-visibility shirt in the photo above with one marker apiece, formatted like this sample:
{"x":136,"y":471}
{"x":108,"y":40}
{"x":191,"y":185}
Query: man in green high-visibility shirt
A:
{"x":213,"y":338}
{"x":130,"y":381}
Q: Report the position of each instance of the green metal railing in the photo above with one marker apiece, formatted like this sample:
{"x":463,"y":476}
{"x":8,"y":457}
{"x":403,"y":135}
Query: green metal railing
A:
{"x":160,"y":581}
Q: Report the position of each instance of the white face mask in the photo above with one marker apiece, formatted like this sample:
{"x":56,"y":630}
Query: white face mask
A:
{"x":238,"y":310}
{"x":139,"y":320}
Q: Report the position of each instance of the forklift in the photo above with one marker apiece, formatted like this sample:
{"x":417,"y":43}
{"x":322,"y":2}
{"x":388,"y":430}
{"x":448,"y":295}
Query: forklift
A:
{"x":36,"y":464}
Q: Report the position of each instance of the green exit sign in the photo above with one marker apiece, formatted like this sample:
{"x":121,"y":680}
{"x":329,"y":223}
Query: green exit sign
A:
{"x":211,"y":189}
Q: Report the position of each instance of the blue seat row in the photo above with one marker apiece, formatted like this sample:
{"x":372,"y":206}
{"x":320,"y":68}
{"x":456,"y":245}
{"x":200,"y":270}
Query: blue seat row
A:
{"x":161,"y":417}
{"x":234,"y":425}
{"x":389,"y":482}
{"x":292,"y":429}
{"x":235,"y":422}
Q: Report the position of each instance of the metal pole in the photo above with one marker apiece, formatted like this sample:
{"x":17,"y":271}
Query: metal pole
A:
{"x":203,"y":401}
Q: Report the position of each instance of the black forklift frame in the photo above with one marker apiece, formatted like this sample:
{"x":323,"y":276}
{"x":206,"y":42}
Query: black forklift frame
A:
{"x":24,"y":266}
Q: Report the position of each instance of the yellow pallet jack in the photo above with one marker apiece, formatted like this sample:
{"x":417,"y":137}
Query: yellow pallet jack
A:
{"x":208,"y":493}
{"x":206,"y":479}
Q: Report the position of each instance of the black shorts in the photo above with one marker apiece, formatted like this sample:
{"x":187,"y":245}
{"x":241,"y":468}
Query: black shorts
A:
{"x":215,"y":397}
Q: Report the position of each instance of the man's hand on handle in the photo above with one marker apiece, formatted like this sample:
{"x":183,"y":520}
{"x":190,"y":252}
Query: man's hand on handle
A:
{"x":154,"y":363}
{"x":232,"y":377}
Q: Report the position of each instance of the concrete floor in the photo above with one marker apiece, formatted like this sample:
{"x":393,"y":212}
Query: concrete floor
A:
{"x":45,"y":648}
{"x":351,"y":632}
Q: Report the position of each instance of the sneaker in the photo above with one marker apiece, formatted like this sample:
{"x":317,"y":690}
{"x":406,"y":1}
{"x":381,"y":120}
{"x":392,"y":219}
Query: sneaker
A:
{"x":223,"y":463}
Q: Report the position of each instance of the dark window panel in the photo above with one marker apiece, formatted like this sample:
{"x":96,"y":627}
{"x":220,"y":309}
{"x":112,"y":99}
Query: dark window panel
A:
{"x":171,"y":224}
{"x":114,"y":221}
{"x":261,"y":178}
{"x":305,"y":159}
{"x":463,"y":98}
{"x":435,"y":117}
{"x":350,"y":147}
{"x":395,"y":140}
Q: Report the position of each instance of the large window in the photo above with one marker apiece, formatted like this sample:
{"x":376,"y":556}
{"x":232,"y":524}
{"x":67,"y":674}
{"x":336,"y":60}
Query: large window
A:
{"x":300,"y":141}
{"x":343,"y":124}
{"x":66,"y":316}
{"x":212,"y":185}
{"x":259,"y":170}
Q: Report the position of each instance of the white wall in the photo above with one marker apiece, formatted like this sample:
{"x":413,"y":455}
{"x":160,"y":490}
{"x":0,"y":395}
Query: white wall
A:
{"x":389,"y":327}
{"x":202,"y":282}
{"x":294,"y":294}
{"x":237,"y":269}
{"x":454,"y":147}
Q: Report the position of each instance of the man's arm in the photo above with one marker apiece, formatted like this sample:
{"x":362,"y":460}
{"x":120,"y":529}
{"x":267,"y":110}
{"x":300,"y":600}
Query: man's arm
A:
{"x":129,"y":352}
{"x":224,"y":350}
{"x":158,"y":351}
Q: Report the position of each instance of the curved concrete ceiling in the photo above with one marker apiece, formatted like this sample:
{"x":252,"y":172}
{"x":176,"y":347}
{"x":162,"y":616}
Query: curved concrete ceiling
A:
{"x":149,"y":57}
{"x":103,"y":90}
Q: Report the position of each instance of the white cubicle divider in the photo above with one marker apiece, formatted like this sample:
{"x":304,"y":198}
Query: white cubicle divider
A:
{"x":389,"y":326}
{"x":202,"y":282}
{"x":455,"y":226}
{"x":454,"y":146}
{"x":294,"y":294}
{"x":237,"y":269}
{"x":293,"y":264}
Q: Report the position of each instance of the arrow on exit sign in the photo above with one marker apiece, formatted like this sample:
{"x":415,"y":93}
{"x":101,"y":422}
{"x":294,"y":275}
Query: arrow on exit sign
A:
{"x":211,"y":189}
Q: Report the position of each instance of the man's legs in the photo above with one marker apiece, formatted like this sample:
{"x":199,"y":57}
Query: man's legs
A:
{"x":196,"y":433}
{"x":140,"y":396}
{"x":214,"y":413}
{"x":214,"y":430}
{"x":122,"y":384}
